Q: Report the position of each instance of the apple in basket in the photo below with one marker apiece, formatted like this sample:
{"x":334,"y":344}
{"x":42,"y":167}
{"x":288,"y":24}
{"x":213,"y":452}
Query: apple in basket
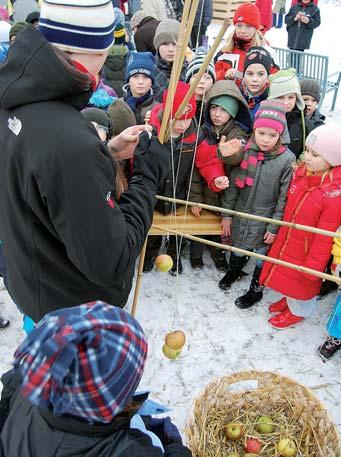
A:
{"x":232,"y":455}
{"x":286,"y":447}
{"x":264,"y":424}
{"x":248,"y":454}
{"x":234,"y":431}
{"x":170,"y":353}
{"x":175,"y":340}
{"x":163,"y":263}
{"x":253,"y":445}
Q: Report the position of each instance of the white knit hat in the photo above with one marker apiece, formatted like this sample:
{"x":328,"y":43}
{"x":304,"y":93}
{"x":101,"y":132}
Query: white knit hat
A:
{"x":286,"y":82}
{"x":78,"y":25}
{"x":326,"y":140}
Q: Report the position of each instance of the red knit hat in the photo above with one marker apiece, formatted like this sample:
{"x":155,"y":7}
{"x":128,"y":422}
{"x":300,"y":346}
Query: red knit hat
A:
{"x":180,"y":92}
{"x":247,"y":13}
{"x":271,"y":114}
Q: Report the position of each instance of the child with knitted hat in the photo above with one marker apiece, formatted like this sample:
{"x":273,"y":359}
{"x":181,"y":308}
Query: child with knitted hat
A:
{"x":72,"y":390}
{"x":166,"y":36}
{"x":185,"y":146}
{"x":285,"y":86}
{"x":229,"y":62}
{"x":258,"y":186}
{"x":314,"y":199}
{"x":226,"y":128}
{"x":258,"y":66}
{"x":206,"y":82}
{"x":311,"y":93}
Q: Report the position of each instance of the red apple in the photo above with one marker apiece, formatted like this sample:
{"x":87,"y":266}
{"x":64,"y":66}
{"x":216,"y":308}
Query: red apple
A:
{"x":163,"y":262}
{"x":253,"y":445}
{"x":234,"y":431}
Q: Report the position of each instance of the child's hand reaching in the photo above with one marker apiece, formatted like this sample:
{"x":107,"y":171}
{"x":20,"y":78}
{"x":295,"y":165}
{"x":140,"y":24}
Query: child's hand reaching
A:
{"x":229,"y":148}
{"x":226,"y":227}
{"x":269,"y":238}
{"x":222,"y":182}
{"x":147,"y":116}
{"x":196,"y":210}
{"x":230,"y":74}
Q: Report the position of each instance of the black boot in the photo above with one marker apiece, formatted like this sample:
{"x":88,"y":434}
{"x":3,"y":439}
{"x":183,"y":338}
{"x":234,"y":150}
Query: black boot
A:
{"x":197,"y":263}
{"x":148,"y":264}
{"x":3,"y":323}
{"x":234,"y":271}
{"x":254,"y":294}
{"x":219,"y":259}
{"x":327,"y":288}
{"x":329,"y":347}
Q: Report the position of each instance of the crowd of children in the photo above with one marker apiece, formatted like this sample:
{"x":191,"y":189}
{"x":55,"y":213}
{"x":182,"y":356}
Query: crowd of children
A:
{"x":250,"y":139}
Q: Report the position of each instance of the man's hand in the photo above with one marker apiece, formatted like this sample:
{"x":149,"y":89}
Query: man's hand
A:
{"x":226,"y":227}
{"x":222,"y":182}
{"x":123,"y":145}
{"x":196,"y":211}
{"x":304,"y":19}
{"x":229,"y":148}
{"x":269,"y":238}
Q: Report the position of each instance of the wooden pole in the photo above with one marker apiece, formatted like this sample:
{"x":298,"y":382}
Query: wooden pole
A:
{"x":305,"y":228}
{"x":139,"y":278}
{"x":253,"y":254}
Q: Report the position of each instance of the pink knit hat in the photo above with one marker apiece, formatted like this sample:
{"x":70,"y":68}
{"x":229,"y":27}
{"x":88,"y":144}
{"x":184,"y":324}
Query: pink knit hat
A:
{"x":271,"y":114}
{"x":326,"y":141}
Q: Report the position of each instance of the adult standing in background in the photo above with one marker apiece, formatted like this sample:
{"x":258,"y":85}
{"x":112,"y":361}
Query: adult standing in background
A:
{"x":144,"y":28}
{"x":202,"y":20}
{"x":302,"y":19}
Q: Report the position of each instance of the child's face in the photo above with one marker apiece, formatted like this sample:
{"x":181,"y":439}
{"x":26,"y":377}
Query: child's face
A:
{"x":167,"y":52}
{"x":101,"y":130}
{"x":315,"y":162}
{"x":266,"y":138}
{"x":255,"y":78}
{"x":289,"y":101}
{"x":244,"y":31}
{"x":140,"y":84}
{"x":205,"y":84}
{"x":310,"y":104}
{"x":218,"y":115}
{"x":180,"y":126}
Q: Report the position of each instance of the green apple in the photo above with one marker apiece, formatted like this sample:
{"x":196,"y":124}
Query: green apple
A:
{"x":286,"y":447}
{"x":163,"y":263}
{"x":249,"y":454}
{"x":232,"y":455}
{"x":234,"y":431}
{"x":170,"y":353}
{"x":264,"y":424}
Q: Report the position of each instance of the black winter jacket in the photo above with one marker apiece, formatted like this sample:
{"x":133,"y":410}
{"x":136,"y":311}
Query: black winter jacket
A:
{"x":317,"y":119}
{"x":296,"y":129}
{"x":163,"y":74}
{"x":28,"y":431}
{"x":66,"y":241}
{"x":114,"y":69}
{"x":300,"y":34}
{"x":144,"y":36}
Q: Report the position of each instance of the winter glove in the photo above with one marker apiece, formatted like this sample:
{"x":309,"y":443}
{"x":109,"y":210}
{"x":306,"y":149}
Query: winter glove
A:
{"x":163,"y":429}
{"x":151,"y":161}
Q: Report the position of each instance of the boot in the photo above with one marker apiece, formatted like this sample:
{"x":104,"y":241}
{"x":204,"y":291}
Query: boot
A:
{"x":234,"y":271}
{"x":329,"y":347}
{"x":197,"y":263}
{"x":254,"y":294}
{"x":148,"y":264}
{"x":219,"y":259}
{"x":3,"y":323}
{"x":279,"y":306}
{"x":285,"y":320}
{"x":327,"y":288}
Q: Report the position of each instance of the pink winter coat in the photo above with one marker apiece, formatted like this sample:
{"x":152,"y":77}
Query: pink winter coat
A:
{"x":314,"y":202}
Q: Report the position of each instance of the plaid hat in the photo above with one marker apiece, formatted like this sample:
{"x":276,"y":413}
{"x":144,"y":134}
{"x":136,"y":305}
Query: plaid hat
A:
{"x":140,"y":63}
{"x":180,"y":93}
{"x":257,"y":54}
{"x":195,"y":64}
{"x":137,"y":18}
{"x":85,"y":361}
{"x":16,"y":28}
{"x":32,"y":17}
{"x":83,"y":26}
{"x":326,"y":140}
{"x":311,"y":87}
{"x":248,"y":13}
{"x":228,"y":103}
{"x":271,"y":114}
{"x":166,"y":32}
{"x":285,"y":82}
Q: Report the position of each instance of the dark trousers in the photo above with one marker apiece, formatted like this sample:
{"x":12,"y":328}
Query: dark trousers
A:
{"x":173,"y":246}
{"x":197,"y":249}
{"x":197,"y":34}
{"x":277,"y":20}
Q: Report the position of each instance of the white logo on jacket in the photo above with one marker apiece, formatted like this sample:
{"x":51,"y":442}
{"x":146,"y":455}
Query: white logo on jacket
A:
{"x":15,"y":125}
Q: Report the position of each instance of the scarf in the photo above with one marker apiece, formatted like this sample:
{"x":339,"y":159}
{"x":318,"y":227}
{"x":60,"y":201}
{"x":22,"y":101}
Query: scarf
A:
{"x":248,"y":166}
{"x":134,"y":102}
{"x":243,"y":45}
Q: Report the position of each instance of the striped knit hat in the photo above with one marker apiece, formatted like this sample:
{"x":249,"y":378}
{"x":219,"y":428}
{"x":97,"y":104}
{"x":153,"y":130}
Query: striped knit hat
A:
{"x":78,"y":26}
{"x":271,"y":114}
{"x":196,"y":62}
{"x":85,"y":361}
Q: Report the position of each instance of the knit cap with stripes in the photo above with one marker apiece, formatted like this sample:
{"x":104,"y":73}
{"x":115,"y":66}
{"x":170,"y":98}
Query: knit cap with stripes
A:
{"x":271,"y":114}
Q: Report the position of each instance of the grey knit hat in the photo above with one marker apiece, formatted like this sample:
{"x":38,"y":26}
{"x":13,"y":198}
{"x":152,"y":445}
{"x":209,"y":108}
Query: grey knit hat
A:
{"x":97,"y":115}
{"x":196,"y":62}
{"x":167,"y":32}
{"x":286,"y":82}
{"x":137,"y":18}
{"x":311,"y":87}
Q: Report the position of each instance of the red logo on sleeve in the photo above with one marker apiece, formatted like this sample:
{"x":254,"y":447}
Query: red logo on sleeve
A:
{"x":110,"y":200}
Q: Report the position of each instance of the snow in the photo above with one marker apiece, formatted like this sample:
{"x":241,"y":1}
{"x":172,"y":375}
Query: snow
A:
{"x":221,"y":339}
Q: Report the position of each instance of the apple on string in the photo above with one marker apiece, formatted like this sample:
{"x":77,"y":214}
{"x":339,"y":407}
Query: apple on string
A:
{"x":174,"y":342}
{"x":163,"y":263}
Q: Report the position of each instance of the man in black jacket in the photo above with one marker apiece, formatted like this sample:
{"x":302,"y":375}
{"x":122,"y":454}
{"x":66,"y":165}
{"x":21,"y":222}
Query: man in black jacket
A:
{"x":144,"y":28}
{"x":66,"y":240}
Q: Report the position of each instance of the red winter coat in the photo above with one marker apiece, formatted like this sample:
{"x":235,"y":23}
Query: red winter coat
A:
{"x":265,"y":9}
{"x":206,"y":159}
{"x":314,"y":203}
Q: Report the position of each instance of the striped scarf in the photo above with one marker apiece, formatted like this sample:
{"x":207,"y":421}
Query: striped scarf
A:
{"x":248,"y":166}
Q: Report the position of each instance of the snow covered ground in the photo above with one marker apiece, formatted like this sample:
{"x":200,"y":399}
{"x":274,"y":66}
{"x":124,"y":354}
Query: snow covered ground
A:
{"x":222,"y":339}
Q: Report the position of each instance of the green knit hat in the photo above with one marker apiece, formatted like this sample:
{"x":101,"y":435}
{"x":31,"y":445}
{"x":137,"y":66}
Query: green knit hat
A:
{"x":229,"y":104}
{"x":16,"y":28}
{"x":286,"y":82}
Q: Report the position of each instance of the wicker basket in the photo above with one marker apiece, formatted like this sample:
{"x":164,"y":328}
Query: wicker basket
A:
{"x":272,"y":391}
